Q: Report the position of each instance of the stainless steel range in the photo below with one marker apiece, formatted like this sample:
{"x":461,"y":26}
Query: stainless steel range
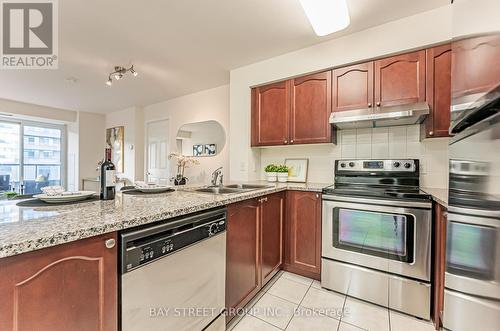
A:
{"x":376,"y":236}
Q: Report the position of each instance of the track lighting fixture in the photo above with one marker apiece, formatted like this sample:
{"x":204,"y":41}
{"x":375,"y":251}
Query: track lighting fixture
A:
{"x":119,"y":73}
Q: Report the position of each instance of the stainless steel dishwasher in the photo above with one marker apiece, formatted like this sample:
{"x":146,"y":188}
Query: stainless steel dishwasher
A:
{"x":173,"y":274}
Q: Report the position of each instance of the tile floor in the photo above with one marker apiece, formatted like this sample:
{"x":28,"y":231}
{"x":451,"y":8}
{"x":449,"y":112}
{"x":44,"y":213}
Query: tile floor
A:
{"x":295,"y":303}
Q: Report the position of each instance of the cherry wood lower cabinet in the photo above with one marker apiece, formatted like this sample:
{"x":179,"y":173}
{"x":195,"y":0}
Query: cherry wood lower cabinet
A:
{"x":439,"y":263}
{"x":303,"y":233}
{"x":242,"y":254}
{"x":67,"y":287}
{"x":272,"y":222}
{"x":254,"y":249}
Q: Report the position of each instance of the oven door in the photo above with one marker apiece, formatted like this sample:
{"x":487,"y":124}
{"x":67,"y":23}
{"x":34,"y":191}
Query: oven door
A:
{"x":473,"y":255}
{"x":391,"y":236}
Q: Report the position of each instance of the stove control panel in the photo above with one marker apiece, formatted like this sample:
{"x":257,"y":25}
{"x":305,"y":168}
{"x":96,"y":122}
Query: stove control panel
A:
{"x":400,"y":165}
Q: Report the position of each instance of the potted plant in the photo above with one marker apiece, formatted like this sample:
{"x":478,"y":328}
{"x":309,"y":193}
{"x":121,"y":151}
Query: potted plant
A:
{"x":182,"y":162}
{"x":271,"y":172}
{"x":282,"y":173}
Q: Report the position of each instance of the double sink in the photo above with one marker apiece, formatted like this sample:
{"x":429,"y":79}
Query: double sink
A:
{"x":233,"y":188}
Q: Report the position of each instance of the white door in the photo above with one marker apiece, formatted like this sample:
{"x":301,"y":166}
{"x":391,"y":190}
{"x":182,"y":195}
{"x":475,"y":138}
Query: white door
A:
{"x":157,"y":152}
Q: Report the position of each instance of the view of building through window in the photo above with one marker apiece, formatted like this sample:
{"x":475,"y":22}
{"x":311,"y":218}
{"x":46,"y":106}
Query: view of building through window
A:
{"x":32,"y":164}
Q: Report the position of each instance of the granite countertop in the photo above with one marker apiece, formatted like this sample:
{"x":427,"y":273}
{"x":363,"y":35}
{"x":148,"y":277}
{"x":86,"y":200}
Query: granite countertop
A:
{"x":25,"y":229}
{"x":440,"y":195}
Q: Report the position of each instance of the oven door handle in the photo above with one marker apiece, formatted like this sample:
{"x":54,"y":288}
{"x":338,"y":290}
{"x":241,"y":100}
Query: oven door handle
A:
{"x":389,"y":203}
{"x":473,"y":220}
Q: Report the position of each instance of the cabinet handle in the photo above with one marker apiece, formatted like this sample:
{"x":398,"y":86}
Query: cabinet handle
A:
{"x":263,"y":200}
{"x":378,"y":104}
{"x":317,"y":195}
{"x":431,"y":133}
{"x":110,"y":243}
{"x":285,"y":141}
{"x":291,"y":141}
{"x":369,"y":105}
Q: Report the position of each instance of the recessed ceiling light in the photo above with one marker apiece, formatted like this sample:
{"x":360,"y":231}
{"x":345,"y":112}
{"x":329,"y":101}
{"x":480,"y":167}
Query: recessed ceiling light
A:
{"x":71,"y":79}
{"x":326,"y":16}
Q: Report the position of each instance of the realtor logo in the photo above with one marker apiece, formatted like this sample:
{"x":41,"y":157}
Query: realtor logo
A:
{"x":29,"y":34}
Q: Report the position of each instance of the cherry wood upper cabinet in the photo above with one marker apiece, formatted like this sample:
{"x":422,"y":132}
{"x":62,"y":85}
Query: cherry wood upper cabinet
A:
{"x":475,"y":65}
{"x":353,"y":87}
{"x":303,"y":229}
{"x":272,"y":218}
{"x":243,"y":279}
{"x":270,"y":114}
{"x":400,"y":79}
{"x":68,"y":287}
{"x":310,"y":109}
{"x":438,"y":87}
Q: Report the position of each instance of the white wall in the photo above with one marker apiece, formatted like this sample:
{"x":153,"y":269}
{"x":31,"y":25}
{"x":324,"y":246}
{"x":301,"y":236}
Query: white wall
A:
{"x":409,"y":33}
{"x":91,"y":143}
{"x":384,"y":143}
{"x":212,"y":104}
{"x":132,"y":121}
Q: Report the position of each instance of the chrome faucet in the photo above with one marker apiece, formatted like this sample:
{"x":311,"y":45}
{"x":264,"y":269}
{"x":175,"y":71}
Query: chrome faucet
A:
{"x":217,"y":177}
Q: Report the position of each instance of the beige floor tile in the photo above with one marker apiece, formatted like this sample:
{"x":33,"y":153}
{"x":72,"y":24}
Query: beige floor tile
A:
{"x":316,"y":284}
{"x":366,"y":315}
{"x":289,"y":290}
{"x":324,"y":301}
{"x":274,"y":310}
{"x":297,"y":278}
{"x":402,"y":322}
{"x":349,"y":327}
{"x":250,"y":323}
{"x":307,"y":320}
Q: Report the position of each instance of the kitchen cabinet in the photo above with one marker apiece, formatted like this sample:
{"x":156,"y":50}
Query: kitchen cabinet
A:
{"x":303,"y":233}
{"x":254,"y":249}
{"x":270,"y":114}
{"x":353,"y":87}
{"x":438,"y":88}
{"x":475,"y":65}
{"x":439,"y":263}
{"x":67,"y":287}
{"x":295,"y":111}
{"x":272,"y":220}
{"x":310,"y":109}
{"x":243,"y":279}
{"x":400,"y":79}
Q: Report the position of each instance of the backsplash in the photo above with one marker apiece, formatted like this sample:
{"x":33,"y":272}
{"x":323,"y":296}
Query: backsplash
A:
{"x":382,"y":143}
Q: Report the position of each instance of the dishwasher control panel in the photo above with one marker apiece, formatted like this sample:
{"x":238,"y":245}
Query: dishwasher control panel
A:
{"x":138,"y":250}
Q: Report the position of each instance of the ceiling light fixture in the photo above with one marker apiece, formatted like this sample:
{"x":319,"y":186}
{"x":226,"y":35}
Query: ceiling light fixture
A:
{"x":119,"y":73}
{"x":326,"y":16}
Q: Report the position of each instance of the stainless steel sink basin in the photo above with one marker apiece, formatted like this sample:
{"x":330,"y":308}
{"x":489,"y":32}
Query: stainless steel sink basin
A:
{"x":247,"y":186}
{"x":219,"y":190}
{"x":228,"y":189}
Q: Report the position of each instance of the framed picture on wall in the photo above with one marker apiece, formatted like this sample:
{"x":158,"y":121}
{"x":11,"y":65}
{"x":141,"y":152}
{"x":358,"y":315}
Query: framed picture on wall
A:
{"x":115,"y":140}
{"x":210,"y":149}
{"x":198,"y":150}
{"x":297,"y":170}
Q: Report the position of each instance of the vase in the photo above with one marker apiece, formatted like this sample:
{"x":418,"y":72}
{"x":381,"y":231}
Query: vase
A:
{"x":271,"y":176}
{"x":180,"y":180}
{"x":282,"y":177}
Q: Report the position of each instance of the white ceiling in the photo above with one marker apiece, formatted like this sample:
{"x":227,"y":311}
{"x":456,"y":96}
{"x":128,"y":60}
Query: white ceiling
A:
{"x":178,"y":47}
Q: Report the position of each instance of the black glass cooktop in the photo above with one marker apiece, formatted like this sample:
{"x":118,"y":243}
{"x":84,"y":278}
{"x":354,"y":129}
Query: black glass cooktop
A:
{"x":381,"y":192}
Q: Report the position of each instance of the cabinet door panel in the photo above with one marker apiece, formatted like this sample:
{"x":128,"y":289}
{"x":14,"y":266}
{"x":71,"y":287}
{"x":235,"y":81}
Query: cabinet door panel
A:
{"x":242,"y":253}
{"x":438,"y":91}
{"x":272,"y":211}
{"x":67,"y":287}
{"x":270,"y":111}
{"x":353,"y":87}
{"x":304,"y":232}
{"x":400,"y":79}
{"x":475,"y":65}
{"x":311,"y":107}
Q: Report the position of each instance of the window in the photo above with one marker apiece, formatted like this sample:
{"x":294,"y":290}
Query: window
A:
{"x":31,"y":156}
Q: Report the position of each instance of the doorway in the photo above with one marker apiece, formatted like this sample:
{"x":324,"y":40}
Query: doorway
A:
{"x":157,"y":149}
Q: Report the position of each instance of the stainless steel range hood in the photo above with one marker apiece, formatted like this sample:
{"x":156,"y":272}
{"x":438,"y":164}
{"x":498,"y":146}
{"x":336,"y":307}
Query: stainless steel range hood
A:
{"x":380,"y":116}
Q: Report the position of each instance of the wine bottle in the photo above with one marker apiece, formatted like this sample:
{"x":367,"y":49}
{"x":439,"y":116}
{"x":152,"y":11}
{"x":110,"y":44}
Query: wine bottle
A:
{"x":108,"y":177}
